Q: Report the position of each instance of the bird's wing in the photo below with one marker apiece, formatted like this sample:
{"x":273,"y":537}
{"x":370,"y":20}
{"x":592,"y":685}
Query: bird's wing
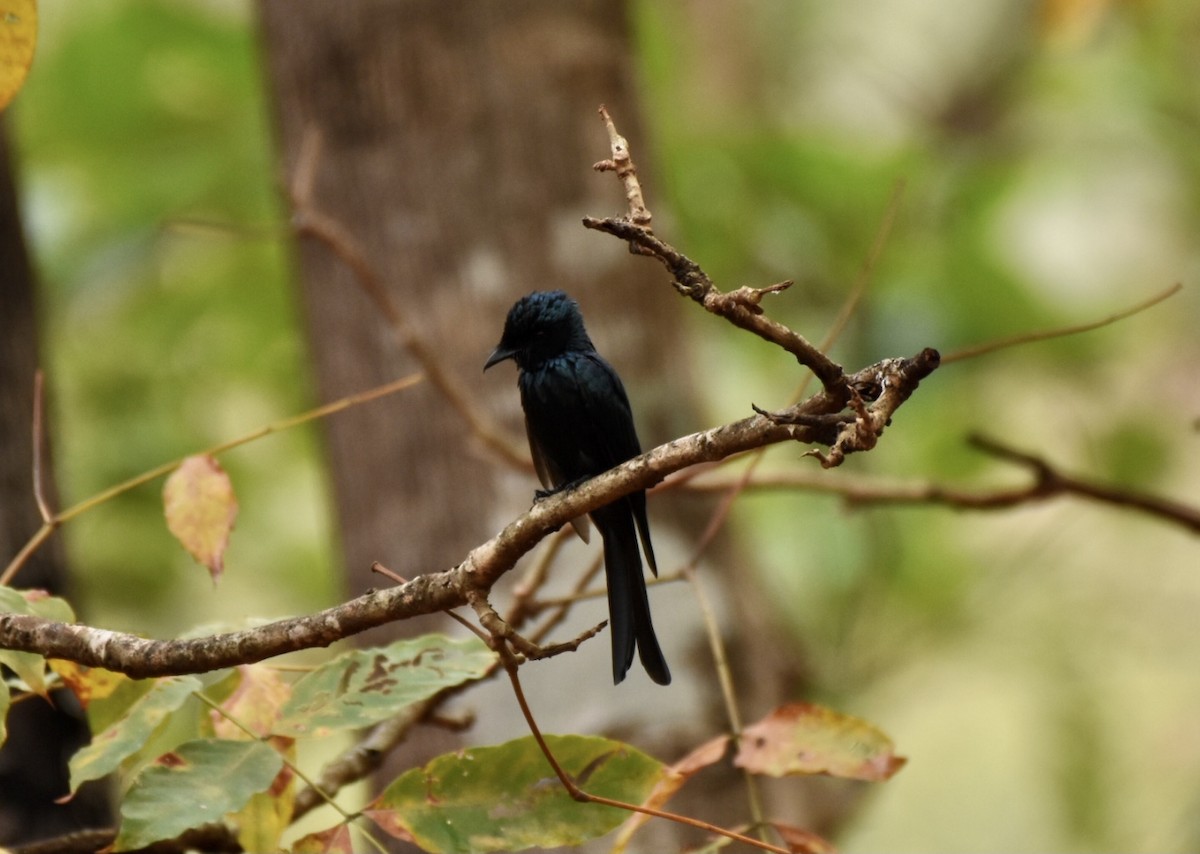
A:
{"x":551,"y":479}
{"x":612,"y":431}
{"x":541,"y":465}
{"x":609,"y":416}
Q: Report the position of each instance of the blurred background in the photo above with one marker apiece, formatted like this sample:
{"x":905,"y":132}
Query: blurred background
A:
{"x":1037,"y":665}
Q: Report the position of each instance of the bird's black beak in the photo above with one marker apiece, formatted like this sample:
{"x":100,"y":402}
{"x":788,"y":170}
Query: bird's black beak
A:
{"x":499,"y":355}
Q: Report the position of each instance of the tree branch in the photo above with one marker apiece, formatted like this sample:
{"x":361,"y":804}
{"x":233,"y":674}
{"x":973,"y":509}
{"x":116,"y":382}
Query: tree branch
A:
{"x":483,"y":566}
{"x":1049,"y":482}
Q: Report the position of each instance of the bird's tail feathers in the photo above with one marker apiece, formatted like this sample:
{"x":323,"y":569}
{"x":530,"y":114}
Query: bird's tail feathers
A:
{"x":637,"y":501}
{"x":628,"y":600}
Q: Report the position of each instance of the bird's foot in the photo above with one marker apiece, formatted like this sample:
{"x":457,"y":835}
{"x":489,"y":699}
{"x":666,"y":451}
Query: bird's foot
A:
{"x":543,"y":494}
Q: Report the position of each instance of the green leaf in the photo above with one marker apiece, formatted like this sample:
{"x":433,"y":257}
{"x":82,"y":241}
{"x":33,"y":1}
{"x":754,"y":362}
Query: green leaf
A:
{"x":41,"y":604}
{"x":125,"y":737}
{"x":36,"y":602}
{"x":29,"y":666}
{"x":366,"y":686}
{"x":196,"y":784}
{"x":506,"y":798}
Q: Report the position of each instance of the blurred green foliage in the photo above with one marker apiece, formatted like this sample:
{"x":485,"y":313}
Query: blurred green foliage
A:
{"x":1048,"y":158}
{"x":149,"y":181}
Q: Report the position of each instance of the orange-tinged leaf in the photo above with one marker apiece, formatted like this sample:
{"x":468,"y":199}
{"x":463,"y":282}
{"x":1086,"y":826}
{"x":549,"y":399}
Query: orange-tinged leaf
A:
{"x":804,"y":738}
{"x":261,"y":822}
{"x":709,"y":753}
{"x":801,"y":841}
{"x":201,"y":508}
{"x":18,"y":38}
{"x":1071,"y":23}
{"x":333,"y":840}
{"x":255,"y":702}
{"x":87,"y":683}
{"x":391,"y":824}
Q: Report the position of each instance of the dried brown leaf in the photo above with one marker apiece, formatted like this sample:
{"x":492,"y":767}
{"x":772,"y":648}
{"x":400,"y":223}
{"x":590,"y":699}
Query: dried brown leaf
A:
{"x":804,"y":738}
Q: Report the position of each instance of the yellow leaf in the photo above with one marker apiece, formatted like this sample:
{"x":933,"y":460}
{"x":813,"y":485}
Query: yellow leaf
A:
{"x":254,"y":703}
{"x":18,"y":37}
{"x":201,"y":508}
{"x":87,"y":683}
{"x":262,"y":821}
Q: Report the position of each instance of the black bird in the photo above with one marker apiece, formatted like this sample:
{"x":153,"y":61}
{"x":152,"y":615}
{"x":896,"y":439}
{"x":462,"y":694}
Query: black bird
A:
{"x":579,"y":424}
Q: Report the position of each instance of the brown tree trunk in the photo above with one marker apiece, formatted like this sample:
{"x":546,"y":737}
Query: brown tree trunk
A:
{"x":458,"y":138}
{"x":457,"y":144}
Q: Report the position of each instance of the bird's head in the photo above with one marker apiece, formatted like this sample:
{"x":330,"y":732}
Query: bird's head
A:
{"x":540,"y":326}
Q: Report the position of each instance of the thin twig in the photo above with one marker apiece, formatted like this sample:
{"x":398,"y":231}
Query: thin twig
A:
{"x":622,"y":163}
{"x":99,"y":498}
{"x":1050,"y":482}
{"x":39,"y":449}
{"x":266,"y":739}
{"x":380,"y":569}
{"x":368,"y":755}
{"x":738,"y":307}
{"x":523,"y":603}
{"x":1062,"y":332}
{"x":866,"y":273}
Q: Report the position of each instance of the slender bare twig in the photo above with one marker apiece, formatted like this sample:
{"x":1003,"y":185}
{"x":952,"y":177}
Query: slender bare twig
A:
{"x":523,"y":603}
{"x":1032,"y":337}
{"x":367,"y":755}
{"x":866,"y":272}
{"x":724,"y":670}
{"x":266,"y":739}
{"x":39,"y":449}
{"x":740,"y":307}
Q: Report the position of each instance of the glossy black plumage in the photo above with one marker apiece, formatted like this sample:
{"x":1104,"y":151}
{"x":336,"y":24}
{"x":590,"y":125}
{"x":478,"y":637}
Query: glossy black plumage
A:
{"x":579,"y":424}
